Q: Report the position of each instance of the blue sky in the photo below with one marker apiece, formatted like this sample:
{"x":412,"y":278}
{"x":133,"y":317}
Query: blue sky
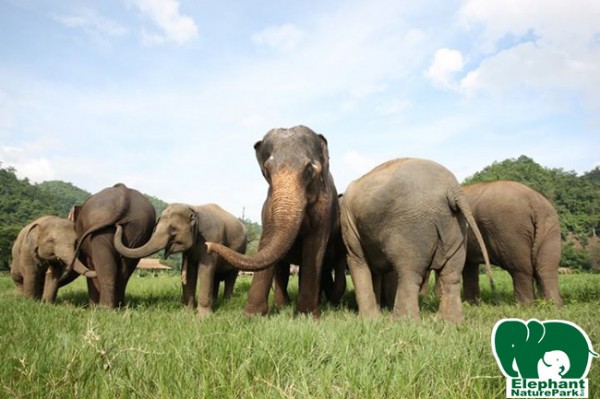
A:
{"x":170,"y":96}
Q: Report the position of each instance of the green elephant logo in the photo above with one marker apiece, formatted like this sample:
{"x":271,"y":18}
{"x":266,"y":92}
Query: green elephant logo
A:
{"x":541,"y":358}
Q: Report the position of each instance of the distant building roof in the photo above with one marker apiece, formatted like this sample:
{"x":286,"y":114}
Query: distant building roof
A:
{"x":147,"y":263}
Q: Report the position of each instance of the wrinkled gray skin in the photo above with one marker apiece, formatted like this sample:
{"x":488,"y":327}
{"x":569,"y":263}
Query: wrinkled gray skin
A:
{"x":407,"y":215}
{"x":95,"y":224}
{"x":42,"y":252}
{"x":298,"y":216}
{"x":521,"y":231}
{"x":333,"y":277}
{"x":185,"y":228}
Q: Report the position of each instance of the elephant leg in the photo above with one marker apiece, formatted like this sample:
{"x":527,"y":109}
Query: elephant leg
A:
{"x":406,"y":303}
{"x":30,"y":286}
{"x":313,"y":253}
{"x":547,"y":269}
{"x":51,"y":284}
{"x":206,"y":280}
{"x":377,"y":287}
{"x":106,"y":268}
{"x":361,"y":277}
{"x":230,"y":278}
{"x":125,"y":270}
{"x":189,"y":281}
{"x":282,"y":278}
{"x":258,"y":294}
{"x":425,"y":285}
{"x":548,"y":281}
{"x":93,"y":291}
{"x":523,"y":286}
{"x":216,"y":286}
{"x":471,"y":282}
{"x":449,"y":277}
{"x":17,"y":277}
{"x":339,"y":283}
{"x":390,"y":287}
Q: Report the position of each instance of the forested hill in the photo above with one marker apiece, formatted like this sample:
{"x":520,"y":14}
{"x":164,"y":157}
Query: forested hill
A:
{"x":22,"y":202}
{"x":576,"y":198}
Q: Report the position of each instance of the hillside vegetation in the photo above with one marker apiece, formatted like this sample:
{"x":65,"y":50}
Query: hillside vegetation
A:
{"x":576,"y":198}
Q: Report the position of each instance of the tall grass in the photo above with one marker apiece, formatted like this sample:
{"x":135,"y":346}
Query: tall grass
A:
{"x":155,"y":348}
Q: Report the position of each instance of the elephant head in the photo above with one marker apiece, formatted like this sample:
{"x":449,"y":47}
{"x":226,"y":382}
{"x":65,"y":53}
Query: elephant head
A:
{"x":175,"y":231}
{"x":295,"y":163}
{"x":53,"y":239}
{"x":535,"y":349}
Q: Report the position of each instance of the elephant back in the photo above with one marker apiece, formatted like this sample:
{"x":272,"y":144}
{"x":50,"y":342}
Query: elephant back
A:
{"x":102,"y":209}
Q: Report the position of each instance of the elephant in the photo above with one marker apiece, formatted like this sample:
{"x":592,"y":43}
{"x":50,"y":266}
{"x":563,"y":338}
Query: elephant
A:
{"x":42,"y":252}
{"x":407,"y":215}
{"x":298,"y":217}
{"x":95,"y":224}
{"x":521,"y":231}
{"x":185,"y":228}
{"x":535,"y":349}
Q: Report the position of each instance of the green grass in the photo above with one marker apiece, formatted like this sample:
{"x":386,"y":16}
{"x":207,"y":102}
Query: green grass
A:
{"x":156,"y":349}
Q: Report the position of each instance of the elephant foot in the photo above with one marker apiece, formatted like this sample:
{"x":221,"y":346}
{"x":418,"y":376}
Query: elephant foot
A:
{"x":204,"y":311}
{"x":282,"y":301}
{"x":256,"y":310}
{"x":316,"y":313}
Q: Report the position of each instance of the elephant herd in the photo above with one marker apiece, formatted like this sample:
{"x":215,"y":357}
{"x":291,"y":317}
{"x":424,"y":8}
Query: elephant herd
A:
{"x":391,"y":228}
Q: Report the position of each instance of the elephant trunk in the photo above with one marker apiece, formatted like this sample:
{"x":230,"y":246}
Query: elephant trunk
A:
{"x":282,"y":222}
{"x":69,"y":258}
{"x":155,"y":244}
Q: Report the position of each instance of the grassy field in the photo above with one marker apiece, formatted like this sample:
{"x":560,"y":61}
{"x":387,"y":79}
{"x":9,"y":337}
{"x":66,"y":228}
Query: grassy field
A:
{"x":156,"y":349}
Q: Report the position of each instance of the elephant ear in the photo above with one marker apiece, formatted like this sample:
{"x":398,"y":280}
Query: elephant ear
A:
{"x":259,"y":158}
{"x":324,"y":154}
{"x":193,"y":219}
{"x":32,"y":236}
{"x":74,"y":213}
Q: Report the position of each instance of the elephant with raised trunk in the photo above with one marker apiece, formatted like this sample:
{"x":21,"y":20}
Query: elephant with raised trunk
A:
{"x":95,"y":224}
{"x":298,"y":216}
{"x":408,"y":216}
{"x":186,"y":229}
{"x":521,"y":231}
{"x":42,"y":252}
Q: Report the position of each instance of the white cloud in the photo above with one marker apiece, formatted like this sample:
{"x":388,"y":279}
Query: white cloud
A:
{"x":96,"y":26}
{"x":355,"y":165}
{"x":446,"y":63}
{"x":177,"y":28}
{"x":282,"y":38}
{"x":36,"y":169}
{"x":546,"y":45}
{"x":394,"y":106}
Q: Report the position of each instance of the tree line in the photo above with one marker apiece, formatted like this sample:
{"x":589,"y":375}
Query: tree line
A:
{"x":576,"y":198}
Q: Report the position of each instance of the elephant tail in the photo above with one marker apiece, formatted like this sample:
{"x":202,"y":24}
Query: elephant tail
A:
{"x":458,"y":203}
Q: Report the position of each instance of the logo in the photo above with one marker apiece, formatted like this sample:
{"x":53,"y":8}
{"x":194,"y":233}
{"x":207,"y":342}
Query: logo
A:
{"x":548,"y":359}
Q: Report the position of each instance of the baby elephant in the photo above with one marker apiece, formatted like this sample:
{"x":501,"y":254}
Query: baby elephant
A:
{"x":43,"y":251}
{"x":407,"y":216}
{"x":185,"y":228}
